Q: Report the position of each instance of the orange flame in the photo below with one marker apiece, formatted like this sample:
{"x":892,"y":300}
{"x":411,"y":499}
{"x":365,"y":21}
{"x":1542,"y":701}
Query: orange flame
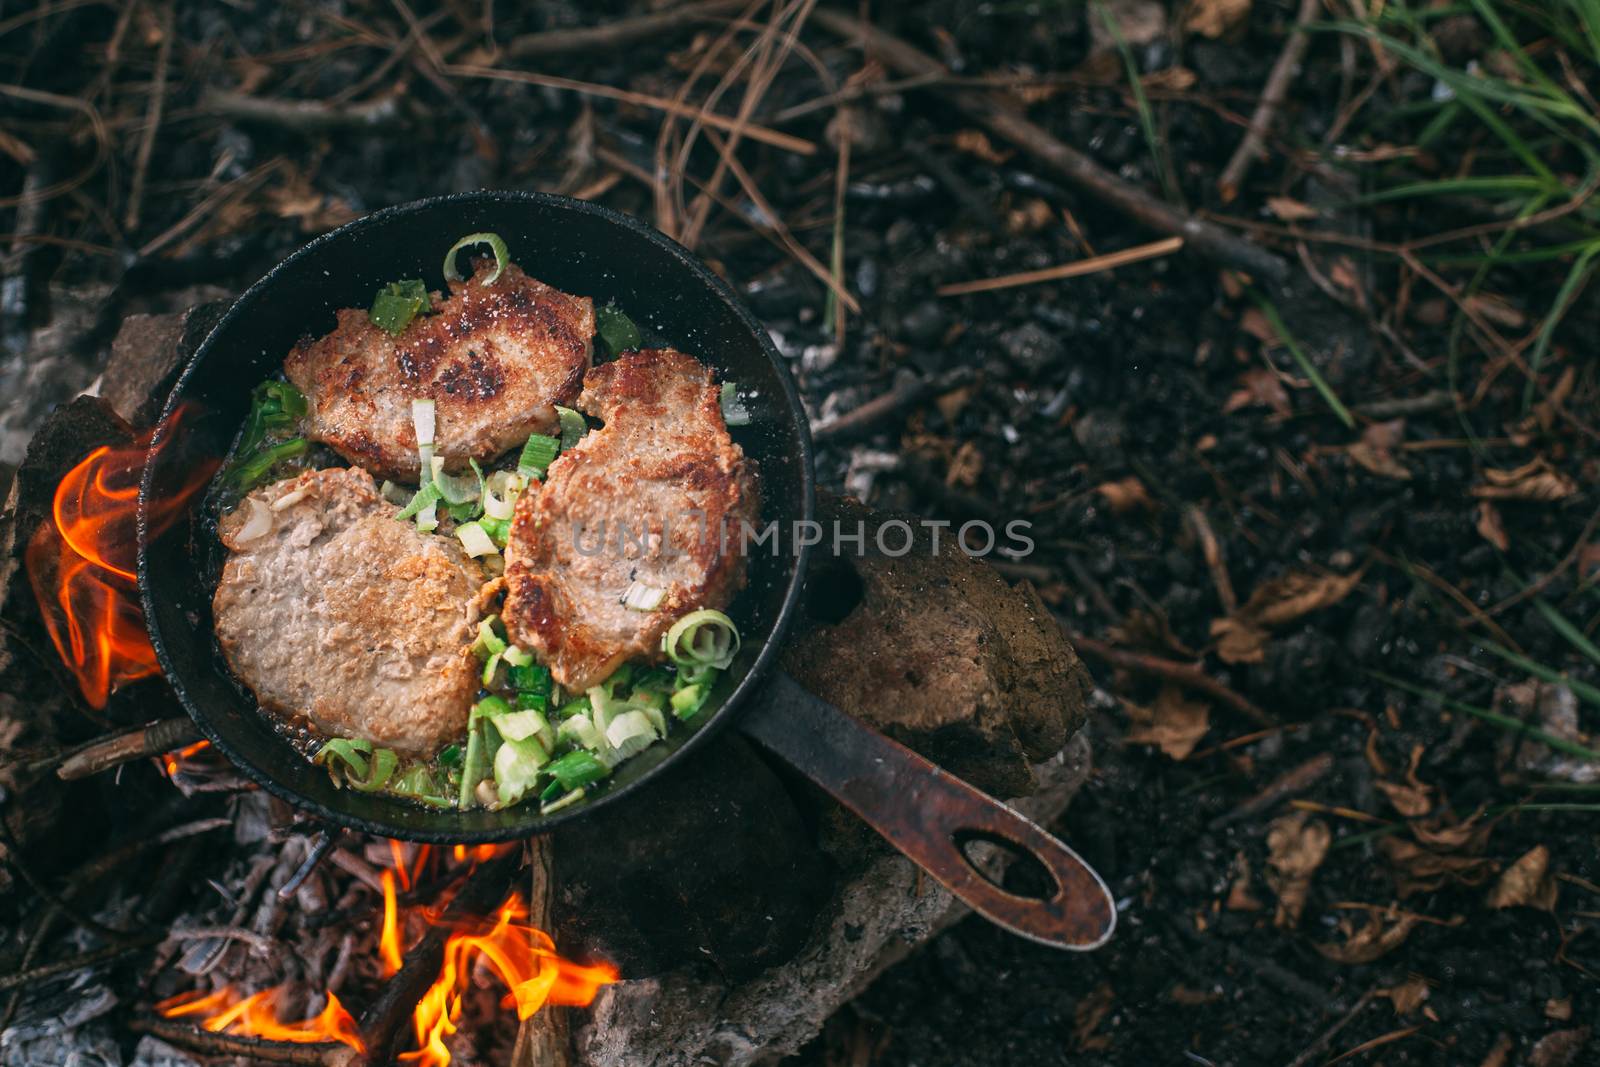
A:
{"x":172,"y":762}
{"x":521,"y":956}
{"x":255,"y":1016}
{"x":81,"y":567}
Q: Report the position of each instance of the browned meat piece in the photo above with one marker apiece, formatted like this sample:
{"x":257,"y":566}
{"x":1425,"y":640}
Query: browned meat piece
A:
{"x":339,"y":614}
{"x":663,"y":463}
{"x":495,"y":359}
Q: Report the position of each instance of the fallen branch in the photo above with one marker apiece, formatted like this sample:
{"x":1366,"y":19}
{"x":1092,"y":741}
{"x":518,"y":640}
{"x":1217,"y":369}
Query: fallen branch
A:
{"x":864,"y":419}
{"x":1003,"y":119}
{"x":125,"y":746}
{"x":1272,"y":97}
{"x":1093,"y":265}
{"x":618,"y":33}
{"x":302,"y":116}
{"x":1295,"y":780}
{"x":74,"y":963}
{"x":251,"y":1049}
{"x":1184,"y":674}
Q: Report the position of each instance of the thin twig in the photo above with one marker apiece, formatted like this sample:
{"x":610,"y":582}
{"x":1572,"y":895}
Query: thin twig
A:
{"x":1295,"y":780}
{"x":1185,"y":674}
{"x":1002,"y":119}
{"x":1539,"y":585}
{"x":136,"y":742}
{"x":152,"y":121}
{"x":1331,"y":1032}
{"x":1094,"y":265}
{"x":250,"y":1049}
{"x":617,"y":33}
{"x":304,"y":116}
{"x":864,"y":419}
{"x":75,"y":963}
{"x":1272,"y":97}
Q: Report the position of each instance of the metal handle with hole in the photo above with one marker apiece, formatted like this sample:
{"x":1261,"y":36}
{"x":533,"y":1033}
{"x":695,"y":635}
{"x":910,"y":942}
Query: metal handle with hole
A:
{"x":927,"y":813}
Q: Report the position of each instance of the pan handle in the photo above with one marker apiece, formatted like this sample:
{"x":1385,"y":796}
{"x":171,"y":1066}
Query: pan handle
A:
{"x":929,"y":815}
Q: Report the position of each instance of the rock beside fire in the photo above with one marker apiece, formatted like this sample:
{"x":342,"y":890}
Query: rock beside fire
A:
{"x":746,"y":907}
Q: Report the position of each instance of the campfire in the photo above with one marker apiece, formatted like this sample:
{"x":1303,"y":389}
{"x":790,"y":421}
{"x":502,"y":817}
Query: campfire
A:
{"x":81,"y":568}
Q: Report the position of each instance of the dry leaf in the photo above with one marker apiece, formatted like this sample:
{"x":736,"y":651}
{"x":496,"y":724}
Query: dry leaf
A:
{"x":1407,"y":800}
{"x":1559,"y":1010}
{"x":1090,"y":1012}
{"x":976,"y":143}
{"x":1172,"y":722}
{"x":1031,"y":216}
{"x":1527,"y":883}
{"x":1171,"y":79}
{"x":1149,"y":629}
{"x":966,"y":467}
{"x":1291,"y":210}
{"x":1343,"y":274}
{"x":1559,"y":1049}
{"x":1408,"y":996}
{"x":1443,"y":833}
{"x":1261,"y":388}
{"x":1382,"y":934}
{"x":1254,"y":322}
{"x":1125,"y":495}
{"x":1213,"y":18}
{"x":1296,"y":847}
{"x":1137,"y":21}
{"x":1193,"y":998}
{"x":1417,"y":870}
{"x":1375,"y":450}
{"x":1242,"y":636}
{"x":1536,"y":480}
{"x":1240,"y":898}
{"x":1238,"y":641}
{"x":1501,"y":1052}
{"x":1490,"y":527}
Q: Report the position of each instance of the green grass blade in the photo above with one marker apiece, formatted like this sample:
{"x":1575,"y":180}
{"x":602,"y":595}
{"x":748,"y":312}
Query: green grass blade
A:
{"x":1270,"y":309}
{"x":1582,"y":690}
{"x":1147,"y":118}
{"x":1576,"y":279}
{"x":1505,"y":722}
{"x":1497,"y":185}
{"x":1559,"y":623}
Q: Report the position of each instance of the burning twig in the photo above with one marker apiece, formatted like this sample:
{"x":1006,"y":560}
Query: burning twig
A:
{"x":252,"y":1049}
{"x":124,"y":746}
{"x":1272,"y":96}
{"x":393,"y":1007}
{"x":1004,"y":120}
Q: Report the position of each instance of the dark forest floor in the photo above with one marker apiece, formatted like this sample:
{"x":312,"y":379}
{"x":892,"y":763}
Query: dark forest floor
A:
{"x":1362,"y":501}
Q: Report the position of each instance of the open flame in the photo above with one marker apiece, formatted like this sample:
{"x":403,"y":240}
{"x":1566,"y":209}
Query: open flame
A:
{"x":81,"y":567}
{"x":226,"y":1012}
{"x":523,"y":957}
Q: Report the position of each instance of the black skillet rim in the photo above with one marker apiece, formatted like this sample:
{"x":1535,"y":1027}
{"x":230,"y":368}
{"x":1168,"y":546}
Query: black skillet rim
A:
{"x":746,"y":686}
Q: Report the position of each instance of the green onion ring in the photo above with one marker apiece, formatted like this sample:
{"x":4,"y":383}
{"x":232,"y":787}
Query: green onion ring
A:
{"x":502,"y":255}
{"x":705,"y":638}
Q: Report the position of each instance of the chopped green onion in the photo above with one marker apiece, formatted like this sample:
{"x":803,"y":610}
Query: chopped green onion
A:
{"x":521,"y":725}
{"x":518,"y":657}
{"x":476,"y":540}
{"x":516,"y":768}
{"x":629,"y":734}
{"x":425,"y":497}
{"x":351,"y":752}
{"x":578,"y":706}
{"x":472,"y":763}
{"x":642,"y":597}
{"x":450,"y":756}
{"x":457,"y":488}
{"x":734,"y":413}
{"x":616,"y":329}
{"x":537,"y":454}
{"x":499,"y":530}
{"x":491,"y":707}
{"x":251,"y":472}
{"x":566,"y":801}
{"x":573,"y":426}
{"x":423,"y":422}
{"x":579,"y":731}
{"x":397,"y":304}
{"x":384,"y":762}
{"x":526,"y":701}
{"x":502,"y":255}
{"x":418,"y":783}
{"x":500,"y":492}
{"x":490,"y":666}
{"x":489,"y":642}
{"x":687,"y":702}
{"x":705,"y":637}
{"x":428,"y":517}
{"x":576,"y":769}
{"x":530,"y":677}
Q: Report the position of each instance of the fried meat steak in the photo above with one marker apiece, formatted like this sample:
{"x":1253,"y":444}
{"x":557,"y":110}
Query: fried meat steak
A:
{"x":656,"y":496}
{"x":339,"y":614}
{"x":495,"y":359}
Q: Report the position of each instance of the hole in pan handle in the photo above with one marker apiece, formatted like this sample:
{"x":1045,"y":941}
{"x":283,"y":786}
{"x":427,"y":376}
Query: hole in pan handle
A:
{"x":930,"y":815}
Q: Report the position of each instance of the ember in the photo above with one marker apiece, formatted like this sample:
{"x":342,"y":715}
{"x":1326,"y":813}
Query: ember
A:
{"x":255,"y":1016}
{"x":81,"y":568}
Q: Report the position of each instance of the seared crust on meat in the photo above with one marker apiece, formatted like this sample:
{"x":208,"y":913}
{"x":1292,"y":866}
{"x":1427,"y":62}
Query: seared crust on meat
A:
{"x":495,"y":359}
{"x":657,"y":495}
{"x":343,"y":616}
